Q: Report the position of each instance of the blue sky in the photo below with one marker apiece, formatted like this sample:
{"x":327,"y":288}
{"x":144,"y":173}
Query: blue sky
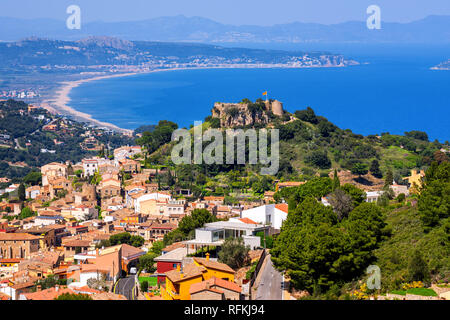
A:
{"x":258,"y":12}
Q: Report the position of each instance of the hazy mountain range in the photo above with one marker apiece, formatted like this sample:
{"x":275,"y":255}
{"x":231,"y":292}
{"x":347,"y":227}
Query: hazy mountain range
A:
{"x":433,"y":29}
{"x":59,"y":55}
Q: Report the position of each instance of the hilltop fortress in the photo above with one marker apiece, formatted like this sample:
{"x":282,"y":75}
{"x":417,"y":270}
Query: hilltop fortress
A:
{"x":247,"y":112}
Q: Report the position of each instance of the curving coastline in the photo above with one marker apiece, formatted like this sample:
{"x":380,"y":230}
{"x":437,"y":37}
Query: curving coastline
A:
{"x":59,"y":104}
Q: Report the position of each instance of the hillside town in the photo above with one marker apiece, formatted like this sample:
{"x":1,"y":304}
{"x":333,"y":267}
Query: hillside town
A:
{"x":56,"y":236}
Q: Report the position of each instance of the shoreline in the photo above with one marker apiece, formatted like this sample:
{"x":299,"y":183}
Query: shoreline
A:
{"x":58,"y":103}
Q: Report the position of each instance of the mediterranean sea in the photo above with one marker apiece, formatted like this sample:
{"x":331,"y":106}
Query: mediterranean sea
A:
{"x":392,"y":90}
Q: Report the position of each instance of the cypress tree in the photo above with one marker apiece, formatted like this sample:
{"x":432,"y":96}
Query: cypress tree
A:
{"x":21,"y":192}
{"x":336,"y":181}
{"x":389,"y":178}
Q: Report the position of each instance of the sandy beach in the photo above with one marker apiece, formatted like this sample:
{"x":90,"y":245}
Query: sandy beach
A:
{"x":59,"y":104}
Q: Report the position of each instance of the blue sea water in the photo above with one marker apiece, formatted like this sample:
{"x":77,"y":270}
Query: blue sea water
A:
{"x":392,"y":91}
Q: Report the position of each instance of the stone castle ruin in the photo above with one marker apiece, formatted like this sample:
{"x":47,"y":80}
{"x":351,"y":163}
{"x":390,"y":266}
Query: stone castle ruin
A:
{"x":247,"y":113}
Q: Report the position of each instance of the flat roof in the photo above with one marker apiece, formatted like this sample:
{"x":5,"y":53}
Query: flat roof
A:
{"x":233,"y":225}
{"x":174,"y":255}
{"x":210,"y":228}
{"x":203,"y":243}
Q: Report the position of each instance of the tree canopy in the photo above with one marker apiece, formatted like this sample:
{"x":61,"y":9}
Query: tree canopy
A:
{"x":434,"y":198}
{"x":234,"y":253}
{"x":318,"y":251}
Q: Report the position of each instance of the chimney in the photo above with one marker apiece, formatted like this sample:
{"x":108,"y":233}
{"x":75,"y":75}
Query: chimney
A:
{"x":207,"y":256}
{"x":56,"y":288}
{"x":38,"y":287}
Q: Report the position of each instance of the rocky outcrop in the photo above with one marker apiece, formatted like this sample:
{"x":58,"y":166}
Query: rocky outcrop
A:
{"x":246,"y":113}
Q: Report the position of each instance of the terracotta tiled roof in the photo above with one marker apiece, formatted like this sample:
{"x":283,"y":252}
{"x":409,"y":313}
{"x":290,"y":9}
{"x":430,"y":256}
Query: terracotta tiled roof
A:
{"x":213,"y":283}
{"x":214,"y":265}
{"x":17,"y":236}
{"x":77,"y":243}
{"x":128,"y":250}
{"x":108,"y":296}
{"x":162,"y":226}
{"x":189,"y":271}
{"x":202,"y":286}
{"x":23,"y":285}
{"x":174,"y":246}
{"x":282,"y":206}
{"x":86,"y":290}
{"x":49,"y":257}
{"x":47,"y":294}
{"x":10,"y":260}
{"x":247,"y":220}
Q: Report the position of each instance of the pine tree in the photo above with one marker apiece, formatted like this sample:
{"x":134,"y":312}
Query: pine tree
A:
{"x":375,"y":169}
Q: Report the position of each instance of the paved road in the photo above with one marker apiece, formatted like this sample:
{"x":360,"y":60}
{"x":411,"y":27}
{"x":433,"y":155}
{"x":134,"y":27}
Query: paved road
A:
{"x":270,"y":285}
{"x":125,"y":287}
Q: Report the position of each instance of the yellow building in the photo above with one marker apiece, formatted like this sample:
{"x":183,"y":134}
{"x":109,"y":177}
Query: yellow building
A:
{"x":214,"y":269}
{"x":178,"y":282}
{"x":415,"y":180}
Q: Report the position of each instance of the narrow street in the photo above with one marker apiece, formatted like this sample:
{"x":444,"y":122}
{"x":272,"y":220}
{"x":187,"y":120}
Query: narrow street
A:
{"x":125,"y":287}
{"x":270,"y":286}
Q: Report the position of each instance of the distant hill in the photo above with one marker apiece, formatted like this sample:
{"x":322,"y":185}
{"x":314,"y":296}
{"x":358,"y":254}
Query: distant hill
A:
{"x":35,"y":52}
{"x":433,"y":29}
{"x":442,"y":66}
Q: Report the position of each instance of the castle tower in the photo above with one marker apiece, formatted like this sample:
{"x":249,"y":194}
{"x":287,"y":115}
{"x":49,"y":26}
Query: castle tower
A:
{"x":277,"y":108}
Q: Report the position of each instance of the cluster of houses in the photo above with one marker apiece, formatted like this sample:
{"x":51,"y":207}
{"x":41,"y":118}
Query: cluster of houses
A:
{"x":80,"y":205}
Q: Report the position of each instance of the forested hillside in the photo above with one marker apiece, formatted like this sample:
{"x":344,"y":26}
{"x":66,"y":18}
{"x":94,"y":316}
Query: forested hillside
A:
{"x":30,"y":138}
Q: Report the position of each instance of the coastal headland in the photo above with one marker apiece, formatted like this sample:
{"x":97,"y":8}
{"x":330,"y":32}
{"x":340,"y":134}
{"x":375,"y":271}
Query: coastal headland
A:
{"x":59,"y":103}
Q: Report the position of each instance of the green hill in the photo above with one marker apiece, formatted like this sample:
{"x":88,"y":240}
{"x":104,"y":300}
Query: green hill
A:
{"x":310,"y":146}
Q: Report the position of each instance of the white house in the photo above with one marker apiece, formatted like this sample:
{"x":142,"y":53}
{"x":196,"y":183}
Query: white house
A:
{"x":80,"y":212}
{"x":373,"y":196}
{"x":32,"y":192}
{"x":90,"y":166}
{"x":12,"y":188}
{"x":129,"y":195}
{"x":269,"y":214}
{"x":215,"y":233}
{"x":41,"y":221}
